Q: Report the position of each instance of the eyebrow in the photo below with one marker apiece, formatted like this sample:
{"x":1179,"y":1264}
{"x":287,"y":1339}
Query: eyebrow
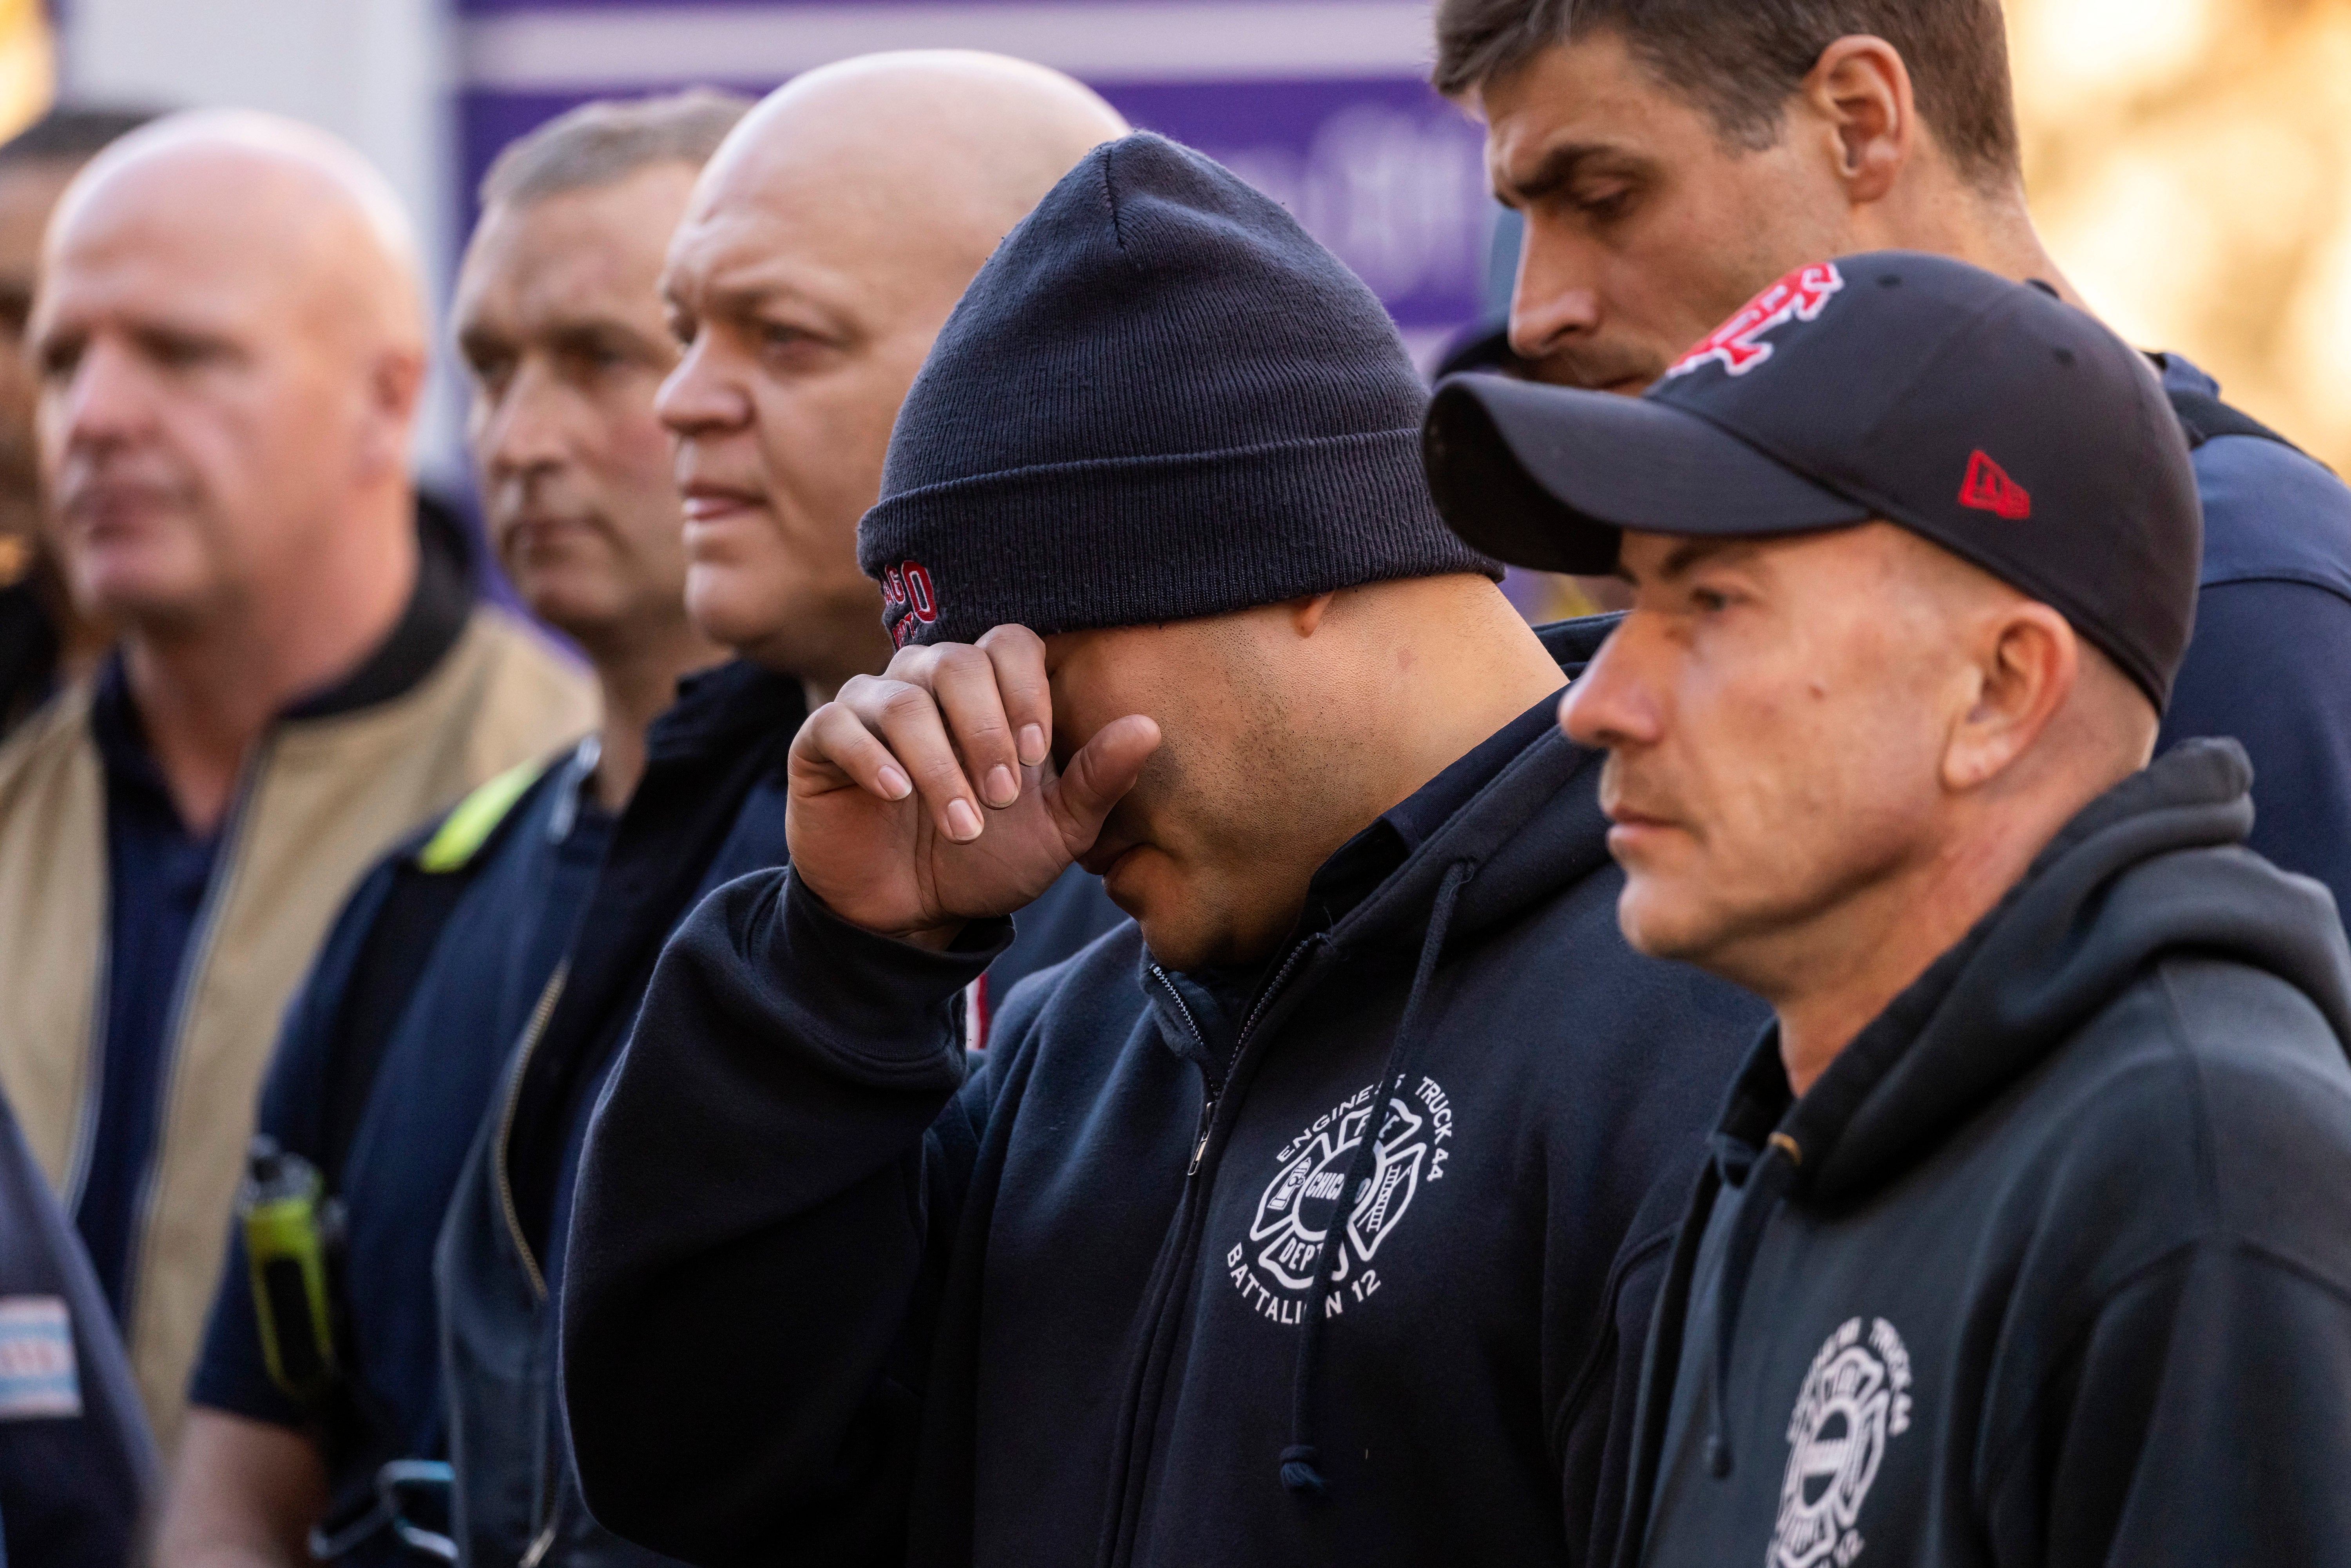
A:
{"x":1554,"y":169}
{"x":1684,"y":558}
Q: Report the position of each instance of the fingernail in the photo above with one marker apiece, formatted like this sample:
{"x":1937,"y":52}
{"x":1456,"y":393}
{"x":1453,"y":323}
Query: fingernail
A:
{"x":1002,"y":787}
{"x":962,"y":822}
{"x":894,"y":784}
{"x":1032,"y":744}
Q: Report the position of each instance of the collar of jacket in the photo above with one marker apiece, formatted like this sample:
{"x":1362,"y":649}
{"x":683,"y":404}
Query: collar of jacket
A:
{"x":2155,"y":865}
{"x":1533,"y":829}
{"x":717,"y":707}
{"x":429,"y":626}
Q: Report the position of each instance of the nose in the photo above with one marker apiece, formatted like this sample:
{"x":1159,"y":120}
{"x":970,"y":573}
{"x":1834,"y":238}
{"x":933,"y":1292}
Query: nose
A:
{"x":107,"y":399}
{"x":1615,"y":703}
{"x":522,"y":434}
{"x":1552,"y":301}
{"x":701,"y":396}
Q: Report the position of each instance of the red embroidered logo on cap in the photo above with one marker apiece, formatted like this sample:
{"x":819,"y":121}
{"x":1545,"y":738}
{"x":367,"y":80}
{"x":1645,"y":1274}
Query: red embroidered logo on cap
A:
{"x":908,"y":599}
{"x":1988,"y":489}
{"x":1801,"y":296}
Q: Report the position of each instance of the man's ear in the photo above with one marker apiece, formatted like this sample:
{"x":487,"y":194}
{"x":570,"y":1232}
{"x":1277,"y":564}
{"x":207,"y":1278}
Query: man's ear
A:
{"x":394,"y":387}
{"x":1859,"y":91}
{"x":2026,"y":664}
{"x":1306,"y":614}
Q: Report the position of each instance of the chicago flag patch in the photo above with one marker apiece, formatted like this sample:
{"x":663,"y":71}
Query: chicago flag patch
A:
{"x":37,"y":1373}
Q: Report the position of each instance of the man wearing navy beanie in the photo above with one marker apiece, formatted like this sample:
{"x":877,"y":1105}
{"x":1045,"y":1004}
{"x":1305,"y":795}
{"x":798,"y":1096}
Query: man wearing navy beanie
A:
{"x":1313,"y":1217}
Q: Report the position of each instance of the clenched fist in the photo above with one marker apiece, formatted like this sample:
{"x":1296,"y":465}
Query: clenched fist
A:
{"x":926,"y":796}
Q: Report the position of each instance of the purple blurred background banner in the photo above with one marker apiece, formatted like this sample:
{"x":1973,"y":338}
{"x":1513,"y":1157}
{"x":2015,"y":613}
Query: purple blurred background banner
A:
{"x":1322,"y":104}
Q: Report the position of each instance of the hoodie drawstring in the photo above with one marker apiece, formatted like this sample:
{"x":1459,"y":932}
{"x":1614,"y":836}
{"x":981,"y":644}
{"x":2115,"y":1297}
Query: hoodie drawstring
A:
{"x":1768,"y":1181}
{"x":1302,"y":1462}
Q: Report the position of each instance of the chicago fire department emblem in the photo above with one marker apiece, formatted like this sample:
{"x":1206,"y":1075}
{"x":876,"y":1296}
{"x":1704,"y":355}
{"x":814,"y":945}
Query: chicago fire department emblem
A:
{"x":1738,"y":344}
{"x":1274,"y":1268}
{"x":1855,"y":1399}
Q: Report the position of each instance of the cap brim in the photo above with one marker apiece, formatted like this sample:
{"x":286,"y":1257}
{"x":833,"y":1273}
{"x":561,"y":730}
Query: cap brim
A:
{"x":1551,"y":476}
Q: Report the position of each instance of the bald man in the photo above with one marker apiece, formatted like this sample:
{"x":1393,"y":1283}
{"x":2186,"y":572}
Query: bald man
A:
{"x":821,"y":250}
{"x":229,"y":344}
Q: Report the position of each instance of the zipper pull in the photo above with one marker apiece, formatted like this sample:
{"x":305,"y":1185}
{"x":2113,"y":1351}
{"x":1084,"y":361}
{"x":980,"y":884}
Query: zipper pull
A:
{"x":1200,"y":1149}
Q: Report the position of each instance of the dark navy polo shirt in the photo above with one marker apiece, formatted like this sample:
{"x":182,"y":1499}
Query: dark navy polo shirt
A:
{"x":438,"y":1073}
{"x":160,"y":883}
{"x":2273,"y":640}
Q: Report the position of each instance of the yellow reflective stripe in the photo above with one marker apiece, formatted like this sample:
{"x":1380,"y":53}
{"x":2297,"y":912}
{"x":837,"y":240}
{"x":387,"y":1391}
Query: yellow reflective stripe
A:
{"x":470,"y":823}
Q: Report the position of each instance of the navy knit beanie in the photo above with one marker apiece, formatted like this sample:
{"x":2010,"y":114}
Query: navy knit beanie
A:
{"x":1158,"y":400}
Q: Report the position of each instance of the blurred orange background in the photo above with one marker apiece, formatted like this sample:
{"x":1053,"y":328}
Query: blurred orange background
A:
{"x":2190,"y":162}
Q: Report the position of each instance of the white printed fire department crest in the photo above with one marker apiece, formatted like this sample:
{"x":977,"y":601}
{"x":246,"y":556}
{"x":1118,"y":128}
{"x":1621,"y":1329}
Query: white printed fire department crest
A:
{"x":1855,"y":1399}
{"x":1273,"y":1269}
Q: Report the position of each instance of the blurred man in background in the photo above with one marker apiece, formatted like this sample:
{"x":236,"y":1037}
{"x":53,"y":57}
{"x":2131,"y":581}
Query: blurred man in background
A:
{"x":229,"y":342}
{"x":44,"y":640}
{"x":392,"y":1049}
{"x":821,"y":251}
{"x":1672,"y":159}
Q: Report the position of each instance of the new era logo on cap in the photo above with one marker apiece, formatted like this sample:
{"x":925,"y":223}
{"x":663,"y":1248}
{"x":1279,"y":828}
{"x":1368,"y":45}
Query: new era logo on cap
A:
{"x":1988,"y":489}
{"x":1801,"y":296}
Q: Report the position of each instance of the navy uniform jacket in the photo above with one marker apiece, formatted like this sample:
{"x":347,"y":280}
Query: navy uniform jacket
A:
{"x":78,"y":1469}
{"x":2273,"y":641}
{"x":490,"y":962}
{"x":710,"y":808}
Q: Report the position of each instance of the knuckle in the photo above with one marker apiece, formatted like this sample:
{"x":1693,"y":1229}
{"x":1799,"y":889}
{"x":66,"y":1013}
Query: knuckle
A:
{"x":961,"y":661}
{"x":902,"y":703}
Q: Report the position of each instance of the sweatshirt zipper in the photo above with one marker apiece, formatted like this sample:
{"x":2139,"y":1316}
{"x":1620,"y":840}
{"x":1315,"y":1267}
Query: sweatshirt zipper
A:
{"x":1190,"y":1214}
{"x":539,"y":1014}
{"x":1215,"y":1087}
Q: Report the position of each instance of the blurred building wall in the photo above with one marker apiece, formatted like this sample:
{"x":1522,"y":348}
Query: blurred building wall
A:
{"x":1321,"y":103}
{"x":375,"y":72}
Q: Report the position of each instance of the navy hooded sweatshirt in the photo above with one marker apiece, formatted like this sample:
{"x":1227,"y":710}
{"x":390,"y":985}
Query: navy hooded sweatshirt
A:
{"x":2053,"y":1264}
{"x":832,"y":1302}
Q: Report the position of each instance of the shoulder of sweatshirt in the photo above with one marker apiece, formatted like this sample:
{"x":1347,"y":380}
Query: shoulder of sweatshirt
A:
{"x":2207,"y":1105}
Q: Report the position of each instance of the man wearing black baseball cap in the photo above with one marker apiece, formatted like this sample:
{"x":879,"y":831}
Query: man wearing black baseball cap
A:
{"x":1672,"y":156}
{"x":2027,"y":1235}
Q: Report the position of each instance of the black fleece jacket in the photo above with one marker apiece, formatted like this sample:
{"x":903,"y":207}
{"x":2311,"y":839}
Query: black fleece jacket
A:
{"x":832,"y":1303}
{"x":2053,"y":1264}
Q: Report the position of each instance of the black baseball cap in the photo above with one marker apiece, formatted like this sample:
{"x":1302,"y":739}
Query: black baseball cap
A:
{"x":1987,"y":416}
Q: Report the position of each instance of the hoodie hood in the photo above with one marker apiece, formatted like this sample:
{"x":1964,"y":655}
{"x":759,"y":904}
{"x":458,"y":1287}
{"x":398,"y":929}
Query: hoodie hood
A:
{"x":2155,"y":865}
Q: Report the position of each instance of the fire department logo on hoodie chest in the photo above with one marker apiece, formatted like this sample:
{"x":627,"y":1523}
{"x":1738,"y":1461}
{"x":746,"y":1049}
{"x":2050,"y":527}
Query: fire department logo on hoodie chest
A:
{"x":1273,"y":1268}
{"x":1855,"y":1399}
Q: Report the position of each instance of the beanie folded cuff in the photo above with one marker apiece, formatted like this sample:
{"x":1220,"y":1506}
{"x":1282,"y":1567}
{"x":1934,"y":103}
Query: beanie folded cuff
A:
{"x":1124,"y":541}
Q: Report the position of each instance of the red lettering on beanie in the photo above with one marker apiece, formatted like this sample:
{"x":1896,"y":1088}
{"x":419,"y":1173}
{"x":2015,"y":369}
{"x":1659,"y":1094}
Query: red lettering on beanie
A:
{"x":920,"y":594}
{"x":1988,"y":489}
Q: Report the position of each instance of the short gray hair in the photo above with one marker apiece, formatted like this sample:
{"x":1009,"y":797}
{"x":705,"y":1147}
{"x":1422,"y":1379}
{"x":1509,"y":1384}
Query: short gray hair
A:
{"x":603,"y":142}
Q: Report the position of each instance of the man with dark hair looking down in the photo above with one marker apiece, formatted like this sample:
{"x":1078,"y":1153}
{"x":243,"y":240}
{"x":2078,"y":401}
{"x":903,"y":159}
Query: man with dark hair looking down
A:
{"x":2026,"y":1236}
{"x":1672,"y":159}
{"x":1301,"y":1220}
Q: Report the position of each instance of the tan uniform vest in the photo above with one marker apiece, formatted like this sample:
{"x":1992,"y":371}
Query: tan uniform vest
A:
{"x":321,"y":800}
